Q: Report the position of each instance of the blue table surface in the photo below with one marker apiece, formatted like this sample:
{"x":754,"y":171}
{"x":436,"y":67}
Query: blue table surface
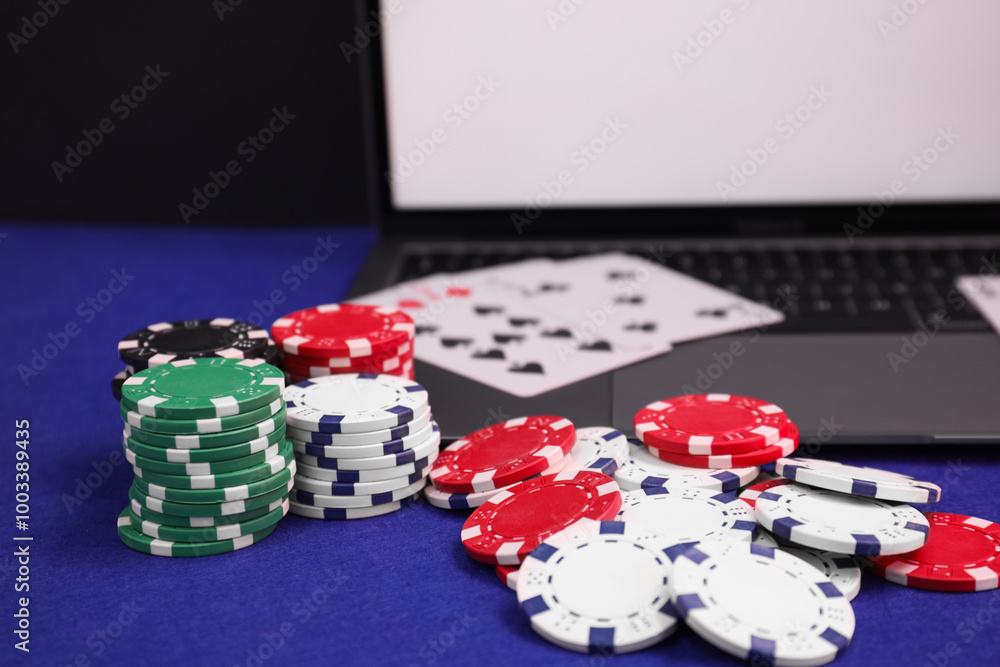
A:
{"x":393,"y":590}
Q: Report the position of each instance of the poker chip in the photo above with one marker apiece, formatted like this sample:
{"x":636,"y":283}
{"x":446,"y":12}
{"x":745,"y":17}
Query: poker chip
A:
{"x":348,"y":502}
{"x":218,"y":495}
{"x":378,"y":363}
{"x":354,"y":403}
{"x":418,"y":451}
{"x":157,"y":547}
{"x":463,"y":501}
{"x":204,"y":426}
{"x":116,"y":383}
{"x":962,"y":554}
{"x":710,"y":424}
{"x":761,"y":604}
{"x":765,"y":539}
{"x":503,"y":454}
{"x":366,"y":451}
{"x":642,"y":469}
{"x":225,"y":508}
{"x":687,"y":515}
{"x":599,"y":587}
{"x":508,"y":526}
{"x":218,"y":533}
{"x":784,"y":447}
{"x":136,"y":508}
{"x":339,"y":330}
{"x":838,"y":522}
{"x":315,"y":468}
{"x":162,"y":343}
{"x":268,"y":468}
{"x":598,"y":448}
{"x":403,"y":351}
{"x":203,"y":388}
{"x":870,"y":482}
{"x":263,"y":429}
{"x":508,"y":575}
{"x":202,"y":468}
{"x":842,"y":570}
{"x":197,"y":455}
{"x":310,"y":485}
{"x":364,"y":437}
{"x":749,"y":494}
{"x":347,"y":513}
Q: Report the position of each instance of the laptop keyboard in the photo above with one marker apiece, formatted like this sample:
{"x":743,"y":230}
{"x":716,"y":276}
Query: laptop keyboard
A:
{"x":819,"y":290}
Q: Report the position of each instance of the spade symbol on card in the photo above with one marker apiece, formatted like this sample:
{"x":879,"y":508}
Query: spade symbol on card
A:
{"x":530,"y":367}
{"x":597,"y":346}
{"x":621,"y":275}
{"x":456,"y":342}
{"x":557,"y":333}
{"x":634,"y":300}
{"x":522,"y":321}
{"x":508,"y":338}
{"x":648,"y":327}
{"x":713,"y":312}
{"x":489,"y":354}
{"x":552,"y":287}
{"x":425,"y":330}
{"x":487,"y":310}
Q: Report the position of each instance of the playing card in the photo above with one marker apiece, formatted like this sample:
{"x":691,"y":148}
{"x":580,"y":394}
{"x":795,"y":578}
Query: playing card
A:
{"x":984,"y":293}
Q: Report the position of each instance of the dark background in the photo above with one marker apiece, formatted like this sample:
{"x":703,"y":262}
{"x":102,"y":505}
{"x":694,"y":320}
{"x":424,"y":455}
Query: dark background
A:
{"x":225,"y":76}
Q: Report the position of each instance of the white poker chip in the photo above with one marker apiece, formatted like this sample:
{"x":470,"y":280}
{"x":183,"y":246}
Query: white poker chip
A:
{"x":838,"y":522}
{"x":352,"y":502}
{"x":842,"y":570}
{"x":428,"y":448}
{"x":687,"y":515}
{"x":364,"y":438}
{"x":601,"y":587}
{"x":870,"y":482}
{"x":643,"y":469}
{"x":353,"y":403}
{"x":364,"y":451}
{"x":342,"y":513}
{"x":761,"y":604}
{"x":765,"y":539}
{"x":598,"y":448}
{"x":318,"y":468}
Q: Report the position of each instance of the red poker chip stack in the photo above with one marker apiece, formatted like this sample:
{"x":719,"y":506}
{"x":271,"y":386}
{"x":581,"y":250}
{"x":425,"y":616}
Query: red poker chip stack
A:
{"x":345,"y":338}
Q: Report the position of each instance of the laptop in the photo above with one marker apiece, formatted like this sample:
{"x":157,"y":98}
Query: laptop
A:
{"x":845,"y":154}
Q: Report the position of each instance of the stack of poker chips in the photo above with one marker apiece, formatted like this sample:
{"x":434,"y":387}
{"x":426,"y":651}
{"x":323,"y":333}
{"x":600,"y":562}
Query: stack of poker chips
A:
{"x":213,"y":468}
{"x":191,"y":339}
{"x":345,"y":338}
{"x":364,"y":444}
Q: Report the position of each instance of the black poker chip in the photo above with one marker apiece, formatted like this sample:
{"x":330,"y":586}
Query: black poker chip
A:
{"x":162,"y":343}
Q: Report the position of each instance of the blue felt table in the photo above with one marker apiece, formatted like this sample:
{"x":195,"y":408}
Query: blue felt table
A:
{"x":394,"y":590}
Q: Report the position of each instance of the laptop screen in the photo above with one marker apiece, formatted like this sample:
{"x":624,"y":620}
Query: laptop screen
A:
{"x":647,"y":103}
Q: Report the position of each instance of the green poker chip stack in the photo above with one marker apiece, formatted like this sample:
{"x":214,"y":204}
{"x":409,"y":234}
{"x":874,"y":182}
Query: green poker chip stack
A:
{"x":213,"y":468}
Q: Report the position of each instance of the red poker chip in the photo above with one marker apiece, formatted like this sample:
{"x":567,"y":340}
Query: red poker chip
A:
{"x":508,"y":575}
{"x":404,"y":350}
{"x":508,"y":526}
{"x":375,"y":364}
{"x":342,"y":330}
{"x":962,"y":554}
{"x":749,"y":494}
{"x":783,"y":448}
{"x":503,"y":454}
{"x":706,"y":424}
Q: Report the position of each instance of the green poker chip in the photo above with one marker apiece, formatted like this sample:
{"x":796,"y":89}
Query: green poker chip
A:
{"x":200,"y":521}
{"x":218,"y":533}
{"x":201,"y":510}
{"x":203,"y":388}
{"x":202,"y":426}
{"x":217,"y":495}
{"x":203,"y":468}
{"x":156,"y":547}
{"x":225,"y":453}
{"x":270,"y":467}
{"x":268,"y":427}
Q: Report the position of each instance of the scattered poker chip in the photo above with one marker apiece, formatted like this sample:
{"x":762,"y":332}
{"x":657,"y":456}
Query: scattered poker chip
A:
{"x":354,"y":403}
{"x":599,"y":587}
{"x":222,"y":495}
{"x":366,"y":451}
{"x":460,"y":501}
{"x":201,"y":521}
{"x":310,"y":485}
{"x":202,"y":468}
{"x":418,"y":451}
{"x":226,"y":508}
{"x":598,"y":448}
{"x":765,"y":539}
{"x":156,"y":547}
{"x":642,"y":469}
{"x":116,"y":383}
{"x":182,"y":455}
{"x":838,"y":522}
{"x":218,"y":533}
{"x":268,"y":468}
{"x":784,"y":447}
{"x":338,"y":330}
{"x":708,"y":424}
{"x":687,"y":515}
{"x":508,"y":575}
{"x":269,"y":428}
{"x":871,"y":482}
{"x":203,"y":388}
{"x":363,"y":438}
{"x":508,"y":526}
{"x":962,"y":554}
{"x":842,"y":570}
{"x":749,"y":494}
{"x":761,"y":604}
{"x":315,"y":468}
{"x":203,"y":426}
{"x":503,"y":454}
{"x":162,"y":343}
{"x":347,"y":513}
{"x":349,"y":502}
